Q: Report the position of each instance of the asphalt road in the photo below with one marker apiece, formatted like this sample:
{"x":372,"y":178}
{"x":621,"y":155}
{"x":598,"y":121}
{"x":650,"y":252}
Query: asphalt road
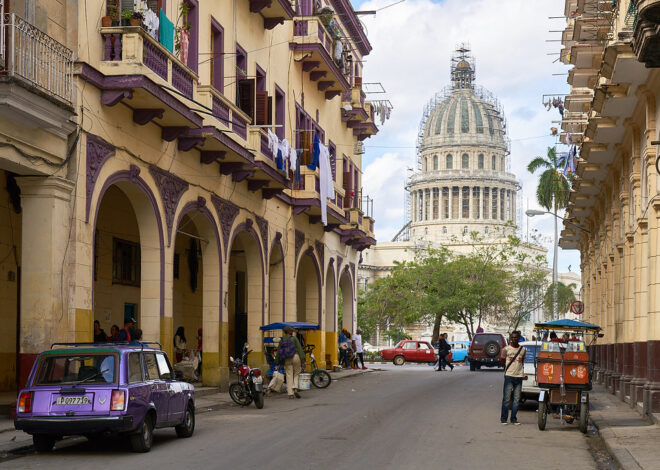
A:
{"x":399,"y":418}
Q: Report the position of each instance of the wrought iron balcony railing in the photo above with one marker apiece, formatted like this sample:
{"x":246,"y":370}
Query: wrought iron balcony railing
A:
{"x":30,"y":55}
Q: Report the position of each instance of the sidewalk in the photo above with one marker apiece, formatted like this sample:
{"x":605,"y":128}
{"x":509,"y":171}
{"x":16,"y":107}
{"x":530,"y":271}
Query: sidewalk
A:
{"x":629,"y":438}
{"x":207,"y":399}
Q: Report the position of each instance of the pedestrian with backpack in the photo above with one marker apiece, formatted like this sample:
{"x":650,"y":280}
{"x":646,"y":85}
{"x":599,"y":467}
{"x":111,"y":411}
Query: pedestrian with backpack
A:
{"x":291,"y":355}
{"x":514,"y":374}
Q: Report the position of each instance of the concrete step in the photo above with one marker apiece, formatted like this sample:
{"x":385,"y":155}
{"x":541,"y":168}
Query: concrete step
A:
{"x":201,"y":391}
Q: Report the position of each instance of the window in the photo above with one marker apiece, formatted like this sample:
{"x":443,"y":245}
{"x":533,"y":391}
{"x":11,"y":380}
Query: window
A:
{"x":410,"y":345}
{"x":435,"y":162}
{"x":485,"y":203}
{"x":332,"y":150}
{"x":480,"y":161}
{"x":465,"y":230}
{"x":423,"y":346}
{"x":427,"y":200}
{"x":450,"y":162}
{"x":475,"y":201}
{"x":192,"y":18}
{"x":436,"y":196}
{"x":66,"y":369}
{"x":164,"y":369}
{"x":125,"y":262}
{"x":486,"y":230}
{"x":444,"y":230}
{"x":134,"y":368}
{"x":280,"y":118}
{"x":494,"y":204}
{"x":493,"y":163}
{"x":465,"y":161}
{"x":445,"y":202}
{"x":246,"y":87}
{"x":151,"y":366}
{"x":217,"y":56}
{"x":465,"y":203}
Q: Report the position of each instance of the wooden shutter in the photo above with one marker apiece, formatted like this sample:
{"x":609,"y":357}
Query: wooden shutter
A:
{"x":358,"y":81}
{"x":246,"y":96}
{"x":261,"y":108}
{"x":270,"y":112}
{"x":347,"y":188}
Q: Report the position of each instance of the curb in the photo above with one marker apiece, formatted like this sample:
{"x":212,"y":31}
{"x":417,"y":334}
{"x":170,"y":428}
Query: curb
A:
{"x":620,"y":454}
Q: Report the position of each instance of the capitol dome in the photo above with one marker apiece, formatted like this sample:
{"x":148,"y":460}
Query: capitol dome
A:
{"x":462,"y":183}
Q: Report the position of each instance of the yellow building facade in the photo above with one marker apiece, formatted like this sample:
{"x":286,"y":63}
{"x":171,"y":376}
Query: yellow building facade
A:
{"x":613,"y":216}
{"x":147,"y":175}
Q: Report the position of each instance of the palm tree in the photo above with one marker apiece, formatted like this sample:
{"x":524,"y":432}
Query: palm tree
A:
{"x":552,"y":193}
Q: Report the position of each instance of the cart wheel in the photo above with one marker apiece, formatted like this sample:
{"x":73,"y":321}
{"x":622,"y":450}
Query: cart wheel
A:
{"x":542,"y":415}
{"x":584,"y":417}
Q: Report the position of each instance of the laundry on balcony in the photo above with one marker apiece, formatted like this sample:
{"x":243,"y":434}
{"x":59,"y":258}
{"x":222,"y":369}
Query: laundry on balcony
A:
{"x":166,"y":33}
{"x":327,"y":185}
{"x":315,"y":154}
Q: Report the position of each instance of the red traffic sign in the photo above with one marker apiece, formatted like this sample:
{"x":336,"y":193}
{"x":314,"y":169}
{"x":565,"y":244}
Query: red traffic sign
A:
{"x":577,"y":307}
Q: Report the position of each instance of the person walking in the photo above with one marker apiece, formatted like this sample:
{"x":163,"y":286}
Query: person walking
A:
{"x":514,"y":374}
{"x":179,"y":343}
{"x":443,"y":352}
{"x":359,"y":351}
{"x":291,"y":354}
{"x":343,"y":346}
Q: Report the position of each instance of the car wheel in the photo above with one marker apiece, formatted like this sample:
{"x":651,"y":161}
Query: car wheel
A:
{"x":187,"y":428}
{"x":43,"y":443}
{"x":542,"y":415}
{"x":492,"y":349}
{"x":472,"y":367}
{"x":141,"y":440}
{"x":399,"y":361}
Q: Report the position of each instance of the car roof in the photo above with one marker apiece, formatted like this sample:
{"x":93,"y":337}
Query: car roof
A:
{"x":531,"y":343}
{"x":87,"y":348}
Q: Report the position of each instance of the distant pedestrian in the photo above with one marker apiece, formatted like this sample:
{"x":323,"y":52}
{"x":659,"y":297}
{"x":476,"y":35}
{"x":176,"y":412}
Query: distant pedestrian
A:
{"x":126,"y":333}
{"x":359,"y":351}
{"x":290,"y":353}
{"x":514,"y":374}
{"x":553,"y":337}
{"x":343,"y":346}
{"x":137,"y":336}
{"x":179,"y":343}
{"x":99,"y":334}
{"x":114,"y":334}
{"x":443,"y":352}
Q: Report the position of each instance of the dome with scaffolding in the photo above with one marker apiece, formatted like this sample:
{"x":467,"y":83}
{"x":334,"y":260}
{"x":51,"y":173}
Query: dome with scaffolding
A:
{"x":462,"y":182}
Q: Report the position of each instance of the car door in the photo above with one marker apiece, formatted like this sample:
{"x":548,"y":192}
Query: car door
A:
{"x":409,"y":350}
{"x":425,"y":352}
{"x":159,"y":389}
{"x":174,"y":389}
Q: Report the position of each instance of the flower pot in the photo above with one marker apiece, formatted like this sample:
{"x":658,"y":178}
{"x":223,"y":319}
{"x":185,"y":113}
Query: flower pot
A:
{"x":135,"y":22}
{"x":106,"y":21}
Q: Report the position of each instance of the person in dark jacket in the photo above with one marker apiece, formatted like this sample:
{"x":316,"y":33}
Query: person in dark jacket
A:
{"x":292,"y":365}
{"x":99,"y":334}
{"x":126,"y":333}
{"x":443,"y":351}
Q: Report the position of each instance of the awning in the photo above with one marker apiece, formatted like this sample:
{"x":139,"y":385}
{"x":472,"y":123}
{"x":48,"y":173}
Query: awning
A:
{"x":298,"y":325}
{"x":566,"y":324}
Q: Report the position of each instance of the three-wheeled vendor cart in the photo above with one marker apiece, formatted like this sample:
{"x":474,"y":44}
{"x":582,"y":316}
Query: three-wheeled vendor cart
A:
{"x":563,"y":371}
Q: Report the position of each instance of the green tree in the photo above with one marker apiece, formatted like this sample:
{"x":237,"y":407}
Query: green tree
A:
{"x":565,"y":297}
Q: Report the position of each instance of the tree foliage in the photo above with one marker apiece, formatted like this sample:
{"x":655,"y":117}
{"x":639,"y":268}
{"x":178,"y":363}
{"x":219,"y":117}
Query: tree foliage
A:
{"x":565,"y":297}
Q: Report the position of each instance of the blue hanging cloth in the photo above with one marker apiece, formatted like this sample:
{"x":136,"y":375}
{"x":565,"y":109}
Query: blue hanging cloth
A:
{"x":279,"y":160}
{"x":315,"y":154}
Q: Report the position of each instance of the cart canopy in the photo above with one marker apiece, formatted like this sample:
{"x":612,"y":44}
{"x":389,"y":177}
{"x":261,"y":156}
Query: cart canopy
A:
{"x":566,"y":324}
{"x":298,"y":325}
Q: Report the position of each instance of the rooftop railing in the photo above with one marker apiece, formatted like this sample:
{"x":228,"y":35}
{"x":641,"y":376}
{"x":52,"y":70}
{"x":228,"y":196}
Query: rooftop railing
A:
{"x":31,"y":55}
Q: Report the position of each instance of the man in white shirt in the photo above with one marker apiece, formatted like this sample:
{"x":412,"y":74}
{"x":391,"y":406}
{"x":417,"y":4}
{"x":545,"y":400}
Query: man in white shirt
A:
{"x":357,"y":347}
{"x":514,"y":374}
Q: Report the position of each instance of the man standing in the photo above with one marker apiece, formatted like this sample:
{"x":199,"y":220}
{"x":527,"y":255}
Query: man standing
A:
{"x":359,"y":351}
{"x":290,"y":353}
{"x":126,"y":333}
{"x":514,"y":358}
{"x":443,"y":352}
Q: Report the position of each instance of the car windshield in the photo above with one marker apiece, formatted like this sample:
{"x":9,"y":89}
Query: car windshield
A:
{"x":76,"y":368}
{"x":531,"y":353}
{"x":483,"y":339}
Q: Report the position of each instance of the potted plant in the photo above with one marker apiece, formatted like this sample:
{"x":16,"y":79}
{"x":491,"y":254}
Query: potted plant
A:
{"x":113,"y":12}
{"x":111,"y":16}
{"x":126,"y":16}
{"x":136,"y":18}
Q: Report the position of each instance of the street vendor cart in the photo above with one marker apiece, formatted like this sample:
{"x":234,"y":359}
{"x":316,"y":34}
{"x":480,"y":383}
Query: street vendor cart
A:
{"x":563,"y":371}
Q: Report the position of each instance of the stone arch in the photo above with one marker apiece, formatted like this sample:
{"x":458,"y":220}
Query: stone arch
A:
{"x":143,"y":202}
{"x":276,"y":281}
{"x":346,"y":286}
{"x":308,"y":288}
{"x":330,"y":323}
{"x":195,"y":224}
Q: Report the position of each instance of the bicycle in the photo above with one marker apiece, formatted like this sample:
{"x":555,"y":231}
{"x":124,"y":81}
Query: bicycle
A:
{"x":320,"y":377}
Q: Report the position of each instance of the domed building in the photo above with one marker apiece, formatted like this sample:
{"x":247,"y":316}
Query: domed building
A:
{"x":462,"y":183}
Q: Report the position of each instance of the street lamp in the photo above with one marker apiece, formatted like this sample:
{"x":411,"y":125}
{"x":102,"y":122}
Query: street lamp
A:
{"x":532,"y":213}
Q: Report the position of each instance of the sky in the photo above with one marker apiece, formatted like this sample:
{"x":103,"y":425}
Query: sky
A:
{"x":516,"y":59}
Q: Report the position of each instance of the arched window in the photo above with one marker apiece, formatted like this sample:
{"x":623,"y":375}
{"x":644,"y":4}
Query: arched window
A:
{"x":444,"y":229}
{"x":486,"y":230}
{"x":493,"y":163}
{"x":435,"y":162}
{"x":465,"y":161}
{"x":465,"y":231}
{"x":480,"y":161}
{"x":450,"y":162}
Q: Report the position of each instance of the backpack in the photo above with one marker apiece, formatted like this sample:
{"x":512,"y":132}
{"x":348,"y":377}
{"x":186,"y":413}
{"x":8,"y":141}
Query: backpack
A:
{"x":287,"y":349}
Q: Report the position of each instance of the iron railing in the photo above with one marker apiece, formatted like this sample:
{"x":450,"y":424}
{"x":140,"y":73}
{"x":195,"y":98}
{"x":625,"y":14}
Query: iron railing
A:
{"x":366,"y":204}
{"x":30,"y":54}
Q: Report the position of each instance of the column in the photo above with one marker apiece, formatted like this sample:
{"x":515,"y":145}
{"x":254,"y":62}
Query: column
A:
{"x":45,"y":317}
{"x":469,"y":194}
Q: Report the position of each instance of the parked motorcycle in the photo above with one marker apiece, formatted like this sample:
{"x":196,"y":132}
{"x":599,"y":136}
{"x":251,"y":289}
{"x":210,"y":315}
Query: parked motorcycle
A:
{"x":250,"y":385}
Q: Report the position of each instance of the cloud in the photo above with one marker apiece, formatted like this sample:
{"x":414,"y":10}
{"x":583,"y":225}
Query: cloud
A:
{"x":412,"y":46}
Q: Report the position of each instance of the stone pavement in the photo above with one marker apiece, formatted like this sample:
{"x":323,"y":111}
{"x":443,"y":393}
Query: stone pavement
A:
{"x":206,"y":399}
{"x":631,"y":440}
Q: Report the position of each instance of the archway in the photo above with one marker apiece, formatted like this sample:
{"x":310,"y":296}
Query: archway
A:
{"x":276,"y":285}
{"x":245,"y":292}
{"x":330,"y":323}
{"x":196,"y":286}
{"x":346,"y":289}
{"x":127,"y":265}
{"x":308,"y":290}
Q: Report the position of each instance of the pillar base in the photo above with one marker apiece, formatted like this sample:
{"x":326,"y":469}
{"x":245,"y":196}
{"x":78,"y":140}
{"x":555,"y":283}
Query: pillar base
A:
{"x":626,"y":387}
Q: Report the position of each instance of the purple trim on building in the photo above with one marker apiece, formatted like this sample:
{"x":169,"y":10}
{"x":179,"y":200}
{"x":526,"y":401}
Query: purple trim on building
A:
{"x":129,"y":82}
{"x":340,"y":260}
{"x":310,"y":252}
{"x":171,"y":189}
{"x":155,"y":58}
{"x":320,"y":252}
{"x":247,"y":227}
{"x":311,"y":47}
{"x":299,"y":242}
{"x":193,"y":48}
{"x":221,"y":111}
{"x":132,"y":176}
{"x":182,"y":81}
{"x":200,"y":206}
{"x":218,"y":79}
{"x":227,"y":213}
{"x":263,"y":230}
{"x":98,"y":152}
{"x":350,"y":21}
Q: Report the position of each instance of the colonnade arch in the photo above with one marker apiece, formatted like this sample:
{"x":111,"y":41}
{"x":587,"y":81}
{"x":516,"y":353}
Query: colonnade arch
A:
{"x":308,"y":289}
{"x":276,"y":284}
{"x":347,"y":294}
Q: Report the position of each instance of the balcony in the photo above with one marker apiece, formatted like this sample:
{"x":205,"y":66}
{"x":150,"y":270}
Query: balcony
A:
{"x":306,"y":198}
{"x":355,"y":99}
{"x":646,"y":43}
{"x":36,"y":81}
{"x":648,"y":10}
{"x":274,"y":12}
{"x":314,"y":47}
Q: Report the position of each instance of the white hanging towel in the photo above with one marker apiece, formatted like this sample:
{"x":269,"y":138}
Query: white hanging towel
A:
{"x":327,"y":189}
{"x":273,"y":142}
{"x":293,"y":159}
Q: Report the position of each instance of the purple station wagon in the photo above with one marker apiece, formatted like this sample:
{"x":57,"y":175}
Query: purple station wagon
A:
{"x":97,"y":389}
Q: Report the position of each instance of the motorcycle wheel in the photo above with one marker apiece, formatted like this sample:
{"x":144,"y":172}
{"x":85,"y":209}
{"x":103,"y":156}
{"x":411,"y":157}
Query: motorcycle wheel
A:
{"x":259,"y":399}
{"x":238,"y":393}
{"x":542,"y":415}
{"x":321,"y":378}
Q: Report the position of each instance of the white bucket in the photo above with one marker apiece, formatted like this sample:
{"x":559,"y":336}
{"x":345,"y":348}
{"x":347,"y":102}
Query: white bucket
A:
{"x":304,"y":381}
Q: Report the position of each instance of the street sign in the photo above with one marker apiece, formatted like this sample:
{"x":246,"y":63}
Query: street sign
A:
{"x":577,"y":307}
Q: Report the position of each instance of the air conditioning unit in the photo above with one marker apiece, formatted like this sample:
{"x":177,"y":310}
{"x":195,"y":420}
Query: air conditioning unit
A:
{"x":359,"y":148}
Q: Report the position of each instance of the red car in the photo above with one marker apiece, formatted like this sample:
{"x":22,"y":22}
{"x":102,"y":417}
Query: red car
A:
{"x":411,"y":351}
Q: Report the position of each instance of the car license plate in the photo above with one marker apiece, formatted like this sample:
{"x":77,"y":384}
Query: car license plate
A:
{"x":72,"y":401}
